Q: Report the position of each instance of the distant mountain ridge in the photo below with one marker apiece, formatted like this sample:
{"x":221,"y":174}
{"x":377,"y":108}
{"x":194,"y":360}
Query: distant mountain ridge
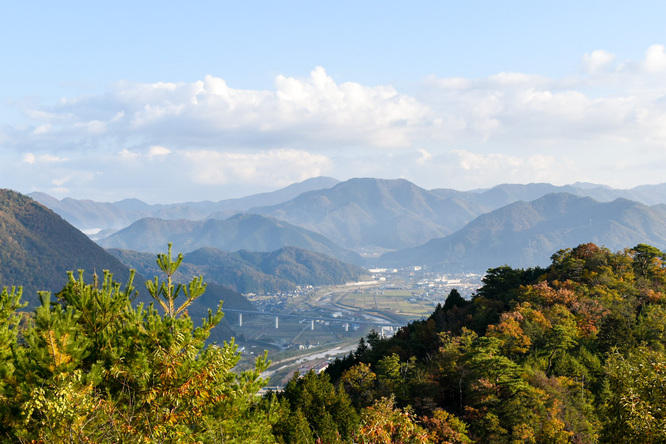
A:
{"x":372,"y":213}
{"x":369,"y":216}
{"x":254,"y":272}
{"x":87,"y":214}
{"x":528,"y":233}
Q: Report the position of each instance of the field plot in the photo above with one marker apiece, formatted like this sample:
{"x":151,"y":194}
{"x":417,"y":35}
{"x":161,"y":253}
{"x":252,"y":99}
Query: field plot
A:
{"x":402,"y":302}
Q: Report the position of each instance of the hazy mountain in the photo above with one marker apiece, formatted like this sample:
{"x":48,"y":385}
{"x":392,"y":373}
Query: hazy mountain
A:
{"x":366,"y":215}
{"x":240,"y":232}
{"x":528,"y":233}
{"x":504,"y":194}
{"x":376,"y":213}
{"x":89,"y":215}
{"x":253,"y":272}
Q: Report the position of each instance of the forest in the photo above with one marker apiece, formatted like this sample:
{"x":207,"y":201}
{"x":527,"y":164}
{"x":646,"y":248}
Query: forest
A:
{"x":569,"y":353}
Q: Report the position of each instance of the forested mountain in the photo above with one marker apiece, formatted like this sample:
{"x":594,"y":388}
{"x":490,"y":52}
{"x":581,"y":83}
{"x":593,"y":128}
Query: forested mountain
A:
{"x":90,"y":215}
{"x":376,"y":213}
{"x":570,"y":353}
{"x":240,"y":232}
{"x":365,"y":215}
{"x":526,"y":233}
{"x":574,"y":352}
{"x":252,"y":272}
{"x":38,"y":248}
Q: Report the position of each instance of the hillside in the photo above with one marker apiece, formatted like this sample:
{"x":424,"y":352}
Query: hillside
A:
{"x":252,"y":272}
{"x":573,"y":352}
{"x":368,"y":215}
{"x":240,"y":232}
{"x":38,"y":248}
{"x":374,"y":213}
{"x":525,"y":233}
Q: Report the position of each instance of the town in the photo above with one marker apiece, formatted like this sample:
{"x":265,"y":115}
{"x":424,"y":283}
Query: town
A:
{"x":310,"y":326}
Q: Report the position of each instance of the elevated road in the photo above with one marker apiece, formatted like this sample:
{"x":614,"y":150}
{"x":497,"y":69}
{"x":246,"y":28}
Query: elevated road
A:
{"x":377,"y":322}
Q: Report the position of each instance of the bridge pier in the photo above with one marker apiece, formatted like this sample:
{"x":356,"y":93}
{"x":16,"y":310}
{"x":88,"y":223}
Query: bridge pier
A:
{"x":312,"y":324}
{"x":240,"y":319}
{"x":276,"y":322}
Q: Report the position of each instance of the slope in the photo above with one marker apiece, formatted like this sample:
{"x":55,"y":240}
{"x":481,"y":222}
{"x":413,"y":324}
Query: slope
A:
{"x":37,"y":248}
{"x":375,"y":213}
{"x":253,"y":272}
{"x":240,"y":232}
{"x":525,"y":233}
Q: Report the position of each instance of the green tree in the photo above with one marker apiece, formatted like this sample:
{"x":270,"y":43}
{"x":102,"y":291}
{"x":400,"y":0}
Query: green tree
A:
{"x":93,"y":368}
{"x":327,"y":410}
{"x":635,"y":397}
{"x":359,"y":383}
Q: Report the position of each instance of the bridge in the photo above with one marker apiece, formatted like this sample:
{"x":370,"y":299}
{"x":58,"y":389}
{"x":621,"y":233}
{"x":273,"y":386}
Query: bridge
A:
{"x":379,"y":323}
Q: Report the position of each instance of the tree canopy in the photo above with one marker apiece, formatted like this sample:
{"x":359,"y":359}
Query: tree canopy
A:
{"x":574,"y":352}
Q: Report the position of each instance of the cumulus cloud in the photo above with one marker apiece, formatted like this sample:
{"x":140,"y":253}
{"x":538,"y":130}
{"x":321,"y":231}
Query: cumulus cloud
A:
{"x":618,"y":104}
{"x":30,"y":158}
{"x":503,"y":127}
{"x":597,"y":60}
{"x":280,"y":167}
{"x":655,"y":59}
{"x":311,"y":112}
{"x":158,"y":151}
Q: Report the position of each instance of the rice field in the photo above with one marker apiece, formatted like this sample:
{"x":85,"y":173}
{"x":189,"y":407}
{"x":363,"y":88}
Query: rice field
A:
{"x":402,"y":302}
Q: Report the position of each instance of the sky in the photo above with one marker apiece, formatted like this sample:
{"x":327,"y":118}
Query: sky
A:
{"x":173,"y":101}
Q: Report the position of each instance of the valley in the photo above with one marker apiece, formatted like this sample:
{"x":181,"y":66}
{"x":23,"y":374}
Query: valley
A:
{"x":317,"y":324}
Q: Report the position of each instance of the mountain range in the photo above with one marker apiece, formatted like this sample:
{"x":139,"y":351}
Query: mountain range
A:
{"x":525,"y":234}
{"x":94,"y":217}
{"x":510,"y":223}
{"x":38,"y":248}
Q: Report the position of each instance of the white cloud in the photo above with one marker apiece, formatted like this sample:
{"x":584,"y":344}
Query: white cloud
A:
{"x":467,"y":169}
{"x":280,"y":167}
{"x":127,"y":154}
{"x":598,"y":60}
{"x":312,"y":112}
{"x":41,"y":129}
{"x":655,"y":59}
{"x":158,"y":151}
{"x":30,"y":158}
{"x":425,"y":157}
{"x":620,"y":105}
{"x":91,"y":127}
{"x":502,"y":128}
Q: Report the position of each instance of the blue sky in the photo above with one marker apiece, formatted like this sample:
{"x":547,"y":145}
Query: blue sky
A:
{"x":167,"y":101}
